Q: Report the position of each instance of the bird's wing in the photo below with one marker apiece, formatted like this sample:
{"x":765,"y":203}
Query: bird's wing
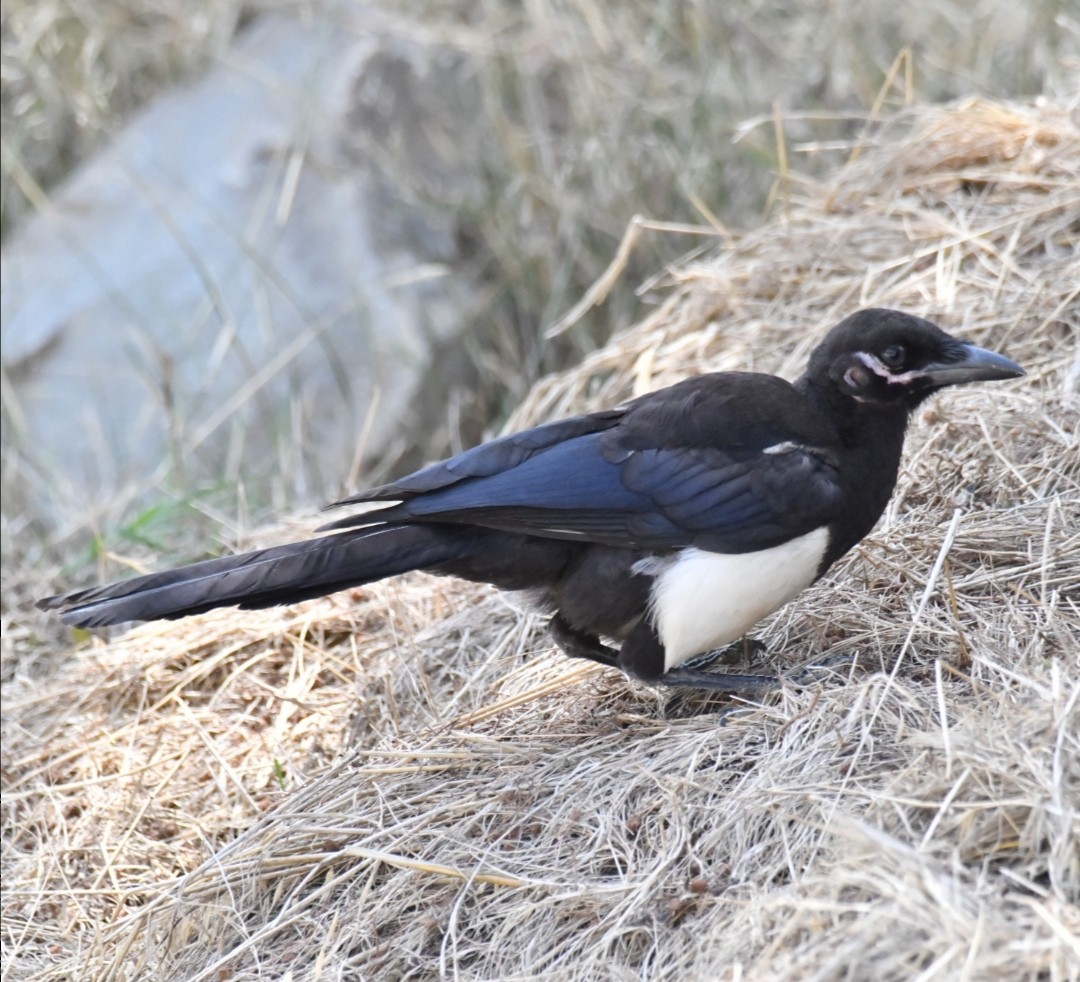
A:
{"x":488,"y":459}
{"x":654,"y":475}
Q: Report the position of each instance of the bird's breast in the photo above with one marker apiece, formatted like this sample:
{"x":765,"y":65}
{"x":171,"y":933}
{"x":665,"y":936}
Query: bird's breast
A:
{"x":703,"y":600}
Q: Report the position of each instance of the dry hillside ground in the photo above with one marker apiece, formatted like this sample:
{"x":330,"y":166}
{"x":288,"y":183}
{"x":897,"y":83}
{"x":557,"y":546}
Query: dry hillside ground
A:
{"x":408,"y":782}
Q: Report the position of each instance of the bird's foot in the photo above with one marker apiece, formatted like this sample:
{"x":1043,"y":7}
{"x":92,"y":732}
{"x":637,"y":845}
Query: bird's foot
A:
{"x":730,"y":682}
{"x":578,"y":644}
{"x":690,"y":676}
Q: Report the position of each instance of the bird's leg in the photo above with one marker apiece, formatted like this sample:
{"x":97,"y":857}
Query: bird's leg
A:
{"x":578,"y":644}
{"x":642,"y":656}
{"x":690,"y":675}
{"x":736,"y":685}
{"x":694,"y":674}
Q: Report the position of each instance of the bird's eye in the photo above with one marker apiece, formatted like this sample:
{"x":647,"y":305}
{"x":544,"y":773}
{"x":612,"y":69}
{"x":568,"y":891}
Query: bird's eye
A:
{"x":893,"y":356}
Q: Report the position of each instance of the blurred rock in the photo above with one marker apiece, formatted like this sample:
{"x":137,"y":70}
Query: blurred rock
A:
{"x":229,"y":289}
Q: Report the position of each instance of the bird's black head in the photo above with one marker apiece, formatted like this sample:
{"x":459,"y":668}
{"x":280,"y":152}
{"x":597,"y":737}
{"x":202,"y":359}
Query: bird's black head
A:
{"x":889,"y":359}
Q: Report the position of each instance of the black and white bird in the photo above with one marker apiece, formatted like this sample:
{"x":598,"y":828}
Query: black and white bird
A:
{"x":669,"y":525}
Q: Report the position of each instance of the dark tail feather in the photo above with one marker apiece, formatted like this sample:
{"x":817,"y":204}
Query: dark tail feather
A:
{"x":281,"y":575}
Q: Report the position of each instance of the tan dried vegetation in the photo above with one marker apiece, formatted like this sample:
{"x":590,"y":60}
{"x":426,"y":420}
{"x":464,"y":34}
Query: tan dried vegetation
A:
{"x":406,"y":781}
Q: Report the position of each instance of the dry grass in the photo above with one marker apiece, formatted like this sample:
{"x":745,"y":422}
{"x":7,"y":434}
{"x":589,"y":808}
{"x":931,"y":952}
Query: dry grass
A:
{"x":74,"y":69}
{"x":407,"y":782}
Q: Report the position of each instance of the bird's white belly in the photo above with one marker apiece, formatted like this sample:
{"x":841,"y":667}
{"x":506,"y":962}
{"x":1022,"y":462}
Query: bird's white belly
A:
{"x":703,"y":600}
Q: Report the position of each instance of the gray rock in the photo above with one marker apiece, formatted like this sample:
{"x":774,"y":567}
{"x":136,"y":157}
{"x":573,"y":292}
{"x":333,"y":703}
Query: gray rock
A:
{"x":229,"y":289}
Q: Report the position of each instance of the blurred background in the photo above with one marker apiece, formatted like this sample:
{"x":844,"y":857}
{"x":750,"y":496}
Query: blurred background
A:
{"x":258,"y":253}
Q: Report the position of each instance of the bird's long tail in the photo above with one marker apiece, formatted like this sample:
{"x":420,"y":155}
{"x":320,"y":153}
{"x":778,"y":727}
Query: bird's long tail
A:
{"x":281,"y":575}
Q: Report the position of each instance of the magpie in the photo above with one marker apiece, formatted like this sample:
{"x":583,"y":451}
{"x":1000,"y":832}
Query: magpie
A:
{"x":654,"y":533}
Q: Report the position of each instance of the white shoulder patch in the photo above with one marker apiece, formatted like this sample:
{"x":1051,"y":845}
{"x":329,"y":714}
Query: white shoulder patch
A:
{"x":788,"y":446}
{"x":704,"y":600}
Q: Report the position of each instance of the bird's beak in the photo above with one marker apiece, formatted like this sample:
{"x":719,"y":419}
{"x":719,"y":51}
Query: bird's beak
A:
{"x":976,"y":365}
